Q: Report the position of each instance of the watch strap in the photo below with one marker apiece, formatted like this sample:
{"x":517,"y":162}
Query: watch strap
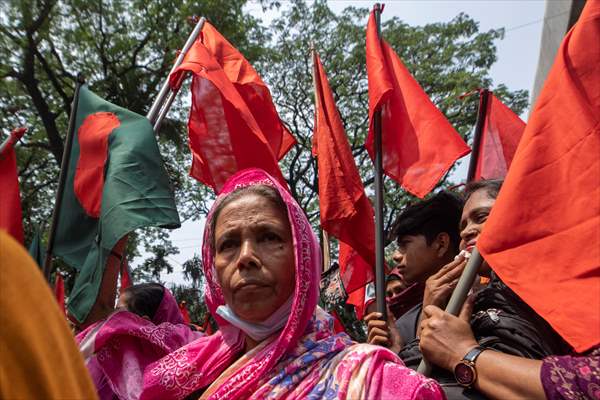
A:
{"x":472,"y":355}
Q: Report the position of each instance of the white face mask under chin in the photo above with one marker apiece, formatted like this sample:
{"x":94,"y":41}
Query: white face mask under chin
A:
{"x":261,"y":330}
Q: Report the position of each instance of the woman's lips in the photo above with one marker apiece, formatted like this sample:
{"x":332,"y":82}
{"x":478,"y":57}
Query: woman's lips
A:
{"x":249,"y":284}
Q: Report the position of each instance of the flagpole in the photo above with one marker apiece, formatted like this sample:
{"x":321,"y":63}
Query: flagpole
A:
{"x":158,"y":102}
{"x":62,"y":177}
{"x":379,"y":235}
{"x":481,"y":115}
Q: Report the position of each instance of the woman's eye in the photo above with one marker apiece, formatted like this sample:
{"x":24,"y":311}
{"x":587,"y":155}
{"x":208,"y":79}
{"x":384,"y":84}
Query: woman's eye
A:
{"x":271,"y":237}
{"x":480,"y":218}
{"x":225,"y":245}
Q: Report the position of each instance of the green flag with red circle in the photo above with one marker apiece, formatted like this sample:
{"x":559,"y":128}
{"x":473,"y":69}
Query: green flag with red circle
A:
{"x":116,"y":183}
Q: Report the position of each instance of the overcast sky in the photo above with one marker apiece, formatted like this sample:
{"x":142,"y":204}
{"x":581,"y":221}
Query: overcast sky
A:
{"x":516,"y":65}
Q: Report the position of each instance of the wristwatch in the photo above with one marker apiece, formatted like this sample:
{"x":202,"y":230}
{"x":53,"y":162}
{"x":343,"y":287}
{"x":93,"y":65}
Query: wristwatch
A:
{"x":465,"y":372}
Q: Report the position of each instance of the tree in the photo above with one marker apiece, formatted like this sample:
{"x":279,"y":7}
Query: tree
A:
{"x":124,"y":49}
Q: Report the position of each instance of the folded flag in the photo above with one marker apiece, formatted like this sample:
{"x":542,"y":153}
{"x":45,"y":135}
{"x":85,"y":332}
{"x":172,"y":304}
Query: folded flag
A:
{"x":542,"y":236}
{"x":500,"y":136}
{"x":116,"y":183}
{"x":345,"y":209}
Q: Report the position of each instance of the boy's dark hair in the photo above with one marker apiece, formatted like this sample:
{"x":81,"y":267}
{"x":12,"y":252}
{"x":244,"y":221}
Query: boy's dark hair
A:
{"x":440,"y":213}
{"x":144,"y":299}
{"x":491,"y":186}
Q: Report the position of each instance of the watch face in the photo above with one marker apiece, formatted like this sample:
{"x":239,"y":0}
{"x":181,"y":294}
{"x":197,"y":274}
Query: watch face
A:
{"x":464,"y":374}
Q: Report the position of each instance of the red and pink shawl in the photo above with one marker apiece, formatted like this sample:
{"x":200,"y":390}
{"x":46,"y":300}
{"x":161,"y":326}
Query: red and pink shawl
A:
{"x":306,"y":359}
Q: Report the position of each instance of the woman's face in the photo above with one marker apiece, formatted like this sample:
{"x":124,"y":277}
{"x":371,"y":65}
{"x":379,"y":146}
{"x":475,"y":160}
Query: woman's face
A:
{"x":254,"y":257}
{"x":475,"y":213}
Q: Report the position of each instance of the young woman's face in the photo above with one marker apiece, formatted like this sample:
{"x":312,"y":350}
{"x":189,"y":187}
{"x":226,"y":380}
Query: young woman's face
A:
{"x":475,"y":213}
{"x":254,"y":257}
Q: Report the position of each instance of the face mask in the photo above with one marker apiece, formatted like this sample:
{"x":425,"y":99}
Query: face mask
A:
{"x":262,"y":330}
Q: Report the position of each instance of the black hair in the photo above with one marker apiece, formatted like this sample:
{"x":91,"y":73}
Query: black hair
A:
{"x":144,"y":299}
{"x":266,"y":191}
{"x":392,"y":277}
{"x":491,"y":186}
{"x":440,"y":213}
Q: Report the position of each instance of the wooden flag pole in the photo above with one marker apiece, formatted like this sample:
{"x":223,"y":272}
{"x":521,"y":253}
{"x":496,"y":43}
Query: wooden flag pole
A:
{"x":62,"y":177}
{"x":481,"y":114}
{"x":379,"y":234}
{"x":157,"y":107}
{"x":324,"y":236}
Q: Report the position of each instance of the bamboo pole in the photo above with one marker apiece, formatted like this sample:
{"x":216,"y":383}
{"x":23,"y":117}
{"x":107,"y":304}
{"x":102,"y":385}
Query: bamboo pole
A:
{"x":481,"y":114}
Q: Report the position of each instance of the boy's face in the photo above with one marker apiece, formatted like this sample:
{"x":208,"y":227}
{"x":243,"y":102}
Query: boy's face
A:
{"x":415,"y":259}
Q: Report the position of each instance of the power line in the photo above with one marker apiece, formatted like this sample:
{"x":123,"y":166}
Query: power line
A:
{"x":535,"y":22}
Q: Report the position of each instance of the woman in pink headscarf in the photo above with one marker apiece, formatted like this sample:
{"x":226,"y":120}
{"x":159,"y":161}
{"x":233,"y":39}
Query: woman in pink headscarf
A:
{"x":262,"y":265}
{"x":146,"y":326}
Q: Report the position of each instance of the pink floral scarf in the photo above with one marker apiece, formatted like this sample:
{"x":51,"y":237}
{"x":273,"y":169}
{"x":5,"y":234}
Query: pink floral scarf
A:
{"x":306,"y":359}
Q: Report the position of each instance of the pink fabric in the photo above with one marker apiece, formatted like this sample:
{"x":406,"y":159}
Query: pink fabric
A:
{"x":306,"y":359}
{"x":117,"y":349}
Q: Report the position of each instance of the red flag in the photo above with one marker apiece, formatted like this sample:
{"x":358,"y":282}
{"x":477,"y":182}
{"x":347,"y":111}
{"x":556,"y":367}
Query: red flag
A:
{"x":184,"y":312}
{"x":419,"y":144}
{"x":125,"y":277}
{"x":542,"y":236}
{"x":346,"y":212}
{"x":252,"y":89}
{"x":207,"y":327}
{"x":224,"y":135}
{"x":11,"y":218}
{"x":500,"y":137}
{"x":59,"y":291}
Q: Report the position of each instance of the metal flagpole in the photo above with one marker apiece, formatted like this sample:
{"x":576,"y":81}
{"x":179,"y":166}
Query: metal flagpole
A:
{"x":459,"y":296}
{"x":481,"y":114}
{"x":160,"y":99}
{"x":379,"y":235}
{"x":62,"y":177}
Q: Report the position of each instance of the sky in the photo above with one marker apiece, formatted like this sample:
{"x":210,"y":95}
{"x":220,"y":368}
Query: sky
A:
{"x":516,"y":65}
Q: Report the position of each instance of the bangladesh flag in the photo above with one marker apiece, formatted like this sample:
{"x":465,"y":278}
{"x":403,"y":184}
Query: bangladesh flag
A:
{"x":116,"y":183}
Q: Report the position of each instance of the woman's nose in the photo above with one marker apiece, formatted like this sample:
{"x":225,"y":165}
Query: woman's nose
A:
{"x":248,"y":257}
{"x":469,"y":232}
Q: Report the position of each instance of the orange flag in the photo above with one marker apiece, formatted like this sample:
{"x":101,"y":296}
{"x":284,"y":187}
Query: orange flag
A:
{"x":224,"y":136}
{"x":252,"y":89}
{"x":419,"y":144}
{"x":346,"y":212}
{"x":500,"y":137}
{"x":11,"y":218}
{"x":543,"y":234}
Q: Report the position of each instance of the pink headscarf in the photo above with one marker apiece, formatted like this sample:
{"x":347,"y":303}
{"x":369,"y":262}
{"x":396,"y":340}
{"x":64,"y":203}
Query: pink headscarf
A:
{"x":117,"y":349}
{"x":305,"y":359}
{"x":198,"y":364}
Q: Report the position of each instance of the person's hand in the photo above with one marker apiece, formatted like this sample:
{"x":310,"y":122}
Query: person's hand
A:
{"x":383,"y":333}
{"x":444,"y":338}
{"x":439,"y":287}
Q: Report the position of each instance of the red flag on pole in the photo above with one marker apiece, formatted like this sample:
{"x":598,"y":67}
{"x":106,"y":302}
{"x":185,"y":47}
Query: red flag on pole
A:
{"x":251,"y":87}
{"x":346,"y":212}
{"x":125,"y":277}
{"x":59,"y":291}
{"x":419,"y":144}
{"x":11,"y":218}
{"x":184,"y":312}
{"x":542,"y":236}
{"x":502,"y":130}
{"x":224,"y":136}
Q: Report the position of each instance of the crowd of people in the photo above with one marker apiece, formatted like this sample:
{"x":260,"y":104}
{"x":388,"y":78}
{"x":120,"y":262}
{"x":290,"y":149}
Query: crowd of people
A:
{"x":262,"y":263}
